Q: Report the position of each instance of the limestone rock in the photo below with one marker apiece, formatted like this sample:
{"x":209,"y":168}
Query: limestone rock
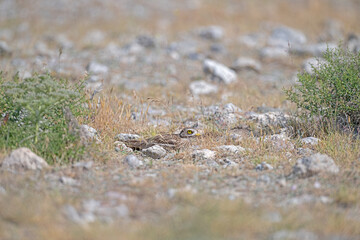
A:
{"x":24,"y":158}
{"x":155,"y":152}
{"x":314,"y":164}
{"x":202,"y":88}
{"x":219,"y":72}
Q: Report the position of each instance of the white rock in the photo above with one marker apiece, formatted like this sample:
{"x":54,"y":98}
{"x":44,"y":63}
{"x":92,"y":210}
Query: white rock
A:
{"x":211,"y":32}
{"x":89,"y":133}
{"x":126,"y":137}
{"x":120,"y":146}
{"x":314,"y":164}
{"x":4,"y":49}
{"x":283,"y":36}
{"x":311,"y":63}
{"x":231,"y":108}
{"x":203,"y":154}
{"x":97,"y":68}
{"x":202,"y":88}
{"x":310,"y":140}
{"x":316,"y":50}
{"x":84,"y":165}
{"x":219,"y":72}
{"x":270,"y":119}
{"x":68,"y":181}
{"x":231,"y":149}
{"x":155,"y":152}
{"x":24,"y":158}
{"x":133,"y":161}
{"x":245,"y":63}
{"x":273,"y":52}
{"x":264,"y":166}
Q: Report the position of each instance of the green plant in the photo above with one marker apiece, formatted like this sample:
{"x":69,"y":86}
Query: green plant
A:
{"x":32,"y":112}
{"x":331,"y":95}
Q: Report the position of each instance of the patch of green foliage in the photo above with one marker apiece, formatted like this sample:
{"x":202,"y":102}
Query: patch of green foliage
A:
{"x":32,"y":113}
{"x":332,"y":93}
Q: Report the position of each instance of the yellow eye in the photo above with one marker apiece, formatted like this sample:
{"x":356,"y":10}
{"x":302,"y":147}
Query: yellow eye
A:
{"x":189,"y":132}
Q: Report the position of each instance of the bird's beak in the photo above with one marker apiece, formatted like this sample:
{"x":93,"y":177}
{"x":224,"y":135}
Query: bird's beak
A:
{"x":197,"y":134}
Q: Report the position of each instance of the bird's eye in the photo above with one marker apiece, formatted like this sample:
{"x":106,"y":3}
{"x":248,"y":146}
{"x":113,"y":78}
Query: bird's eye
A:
{"x":189,"y":132}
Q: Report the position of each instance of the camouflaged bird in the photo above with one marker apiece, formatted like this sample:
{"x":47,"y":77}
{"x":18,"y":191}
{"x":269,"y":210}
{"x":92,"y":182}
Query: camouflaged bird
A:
{"x":167,"y":141}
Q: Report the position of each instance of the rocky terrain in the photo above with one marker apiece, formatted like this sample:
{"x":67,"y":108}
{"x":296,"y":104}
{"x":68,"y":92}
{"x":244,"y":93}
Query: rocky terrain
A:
{"x":154,"y":67}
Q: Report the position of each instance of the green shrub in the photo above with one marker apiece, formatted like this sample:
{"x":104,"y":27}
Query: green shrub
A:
{"x":32,"y":113}
{"x":332,"y":93}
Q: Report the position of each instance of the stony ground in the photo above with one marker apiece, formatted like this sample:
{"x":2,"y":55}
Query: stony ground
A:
{"x":159,"y":66}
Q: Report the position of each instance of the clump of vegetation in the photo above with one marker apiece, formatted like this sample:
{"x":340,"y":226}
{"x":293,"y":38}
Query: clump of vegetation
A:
{"x":331,"y":94}
{"x":32,"y":115}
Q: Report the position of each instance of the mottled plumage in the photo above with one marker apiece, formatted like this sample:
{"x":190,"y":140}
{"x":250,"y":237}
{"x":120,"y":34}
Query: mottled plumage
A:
{"x":167,"y":141}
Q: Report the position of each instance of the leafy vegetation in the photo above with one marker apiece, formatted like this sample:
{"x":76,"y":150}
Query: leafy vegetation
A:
{"x":332,"y":93}
{"x":32,"y":113}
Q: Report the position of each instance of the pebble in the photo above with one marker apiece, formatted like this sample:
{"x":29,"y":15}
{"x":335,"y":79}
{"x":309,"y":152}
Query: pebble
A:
{"x":155,"y":152}
{"x":211,"y":32}
{"x":203,"y":154}
{"x":246,"y":63}
{"x":310,"y":140}
{"x":24,"y":158}
{"x":202,"y":88}
{"x":219,"y":72}
{"x":314,"y":164}
{"x":133,"y":161}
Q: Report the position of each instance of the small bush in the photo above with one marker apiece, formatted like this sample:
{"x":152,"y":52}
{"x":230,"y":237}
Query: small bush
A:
{"x":32,"y":116}
{"x":332,"y":93}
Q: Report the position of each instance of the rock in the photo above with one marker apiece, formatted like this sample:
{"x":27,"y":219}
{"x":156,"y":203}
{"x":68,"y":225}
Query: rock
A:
{"x":280,"y":141}
{"x":310,"y":140}
{"x":264,"y":166}
{"x":211,"y":32}
{"x":231,"y":108}
{"x":314,"y":164}
{"x":5,"y":50}
{"x":311,"y":63}
{"x":73,"y":215}
{"x":245,"y":63}
{"x":145,"y":41}
{"x":155,"y":152}
{"x":285,"y":36}
{"x":203,"y":154}
{"x":217,"y":48}
{"x":270,"y":119}
{"x":273,"y":52}
{"x":333,"y":31}
{"x":68,"y":181}
{"x":94,"y":37}
{"x":120,"y":146}
{"x":316,"y":50}
{"x":97,"y":68}
{"x":133,"y":161}
{"x":24,"y":158}
{"x":253,"y":40}
{"x":231,"y":149}
{"x":202,"y":88}
{"x":126,"y":137}
{"x":219,"y":72}
{"x":84,"y":165}
{"x":294,"y":235}
{"x":89,"y":133}
{"x":353,"y":43}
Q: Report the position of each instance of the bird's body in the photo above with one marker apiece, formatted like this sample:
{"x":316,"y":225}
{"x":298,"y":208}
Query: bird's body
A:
{"x":167,"y":141}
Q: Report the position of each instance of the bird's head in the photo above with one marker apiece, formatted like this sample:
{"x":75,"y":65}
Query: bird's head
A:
{"x":189,"y":132}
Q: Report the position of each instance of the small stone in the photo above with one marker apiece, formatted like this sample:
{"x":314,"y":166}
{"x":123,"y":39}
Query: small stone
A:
{"x":89,"y":133}
{"x":5,"y":50}
{"x":68,"y":181}
{"x":145,"y":41}
{"x":284,"y":36}
{"x":84,"y":165}
{"x":24,"y":158}
{"x":311,"y":63}
{"x":97,"y":68}
{"x":219,"y":72}
{"x":314,"y":164}
{"x":282,"y":182}
{"x":155,"y":152}
{"x":126,"y":137}
{"x":245,"y":63}
{"x":231,"y":149}
{"x":231,"y":108}
{"x":211,"y":32}
{"x":202,"y":88}
{"x":273,"y":52}
{"x":294,"y":235}
{"x":264,"y":166}
{"x":316,"y":50}
{"x":133,"y":161}
{"x":120,"y":146}
{"x":203,"y":154}
{"x":310,"y":140}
